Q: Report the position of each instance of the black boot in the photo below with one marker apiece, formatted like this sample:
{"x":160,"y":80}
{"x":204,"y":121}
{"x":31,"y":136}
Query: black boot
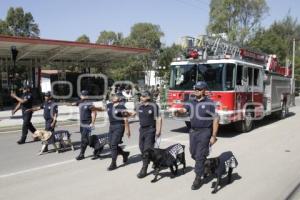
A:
{"x":22,"y":140}
{"x":143,"y":172}
{"x":80,"y":157}
{"x":125,"y":156}
{"x":197,"y":183}
{"x":112,"y":166}
{"x":82,"y":151}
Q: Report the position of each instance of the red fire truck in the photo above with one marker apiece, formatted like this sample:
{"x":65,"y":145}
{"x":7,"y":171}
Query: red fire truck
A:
{"x":245,"y":85}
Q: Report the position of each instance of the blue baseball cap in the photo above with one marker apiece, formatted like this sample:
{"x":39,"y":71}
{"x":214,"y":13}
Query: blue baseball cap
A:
{"x":200,"y":85}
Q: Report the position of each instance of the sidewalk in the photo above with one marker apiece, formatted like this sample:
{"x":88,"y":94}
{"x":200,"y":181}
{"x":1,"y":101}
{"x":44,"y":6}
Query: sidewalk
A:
{"x":66,"y":115}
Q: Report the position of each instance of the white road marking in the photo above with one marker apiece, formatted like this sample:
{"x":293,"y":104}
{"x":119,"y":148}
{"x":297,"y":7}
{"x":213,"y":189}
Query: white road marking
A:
{"x":36,"y":168}
{"x":172,"y":138}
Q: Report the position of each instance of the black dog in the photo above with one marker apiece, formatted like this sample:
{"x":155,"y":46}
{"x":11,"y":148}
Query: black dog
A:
{"x":163,"y":158}
{"x":219,"y":166}
{"x":97,"y":142}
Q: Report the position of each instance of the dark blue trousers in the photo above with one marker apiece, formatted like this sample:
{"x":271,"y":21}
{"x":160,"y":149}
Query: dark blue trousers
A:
{"x":27,"y":125}
{"x":48,"y":123}
{"x":199,"y":147}
{"x":147,"y":138}
{"x":115,"y":135}
{"x":85,"y":135}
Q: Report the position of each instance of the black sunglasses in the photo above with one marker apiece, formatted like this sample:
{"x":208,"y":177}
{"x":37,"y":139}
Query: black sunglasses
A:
{"x":197,"y":89}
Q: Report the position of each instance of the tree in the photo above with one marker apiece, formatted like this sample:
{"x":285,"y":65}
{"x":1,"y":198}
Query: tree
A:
{"x":142,"y":35}
{"x":278,"y":38}
{"x":146,"y":35}
{"x":83,"y":38}
{"x":166,"y":57}
{"x":239,"y":19}
{"x":4,"y":28}
{"x":18,"y":23}
{"x":109,"y":38}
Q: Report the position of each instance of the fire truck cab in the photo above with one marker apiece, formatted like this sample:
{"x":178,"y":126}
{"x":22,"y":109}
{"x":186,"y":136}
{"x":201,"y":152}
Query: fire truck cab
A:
{"x":245,"y":87}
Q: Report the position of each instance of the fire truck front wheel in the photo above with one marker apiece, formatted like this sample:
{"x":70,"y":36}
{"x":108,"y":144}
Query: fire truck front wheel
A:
{"x":246,"y":124}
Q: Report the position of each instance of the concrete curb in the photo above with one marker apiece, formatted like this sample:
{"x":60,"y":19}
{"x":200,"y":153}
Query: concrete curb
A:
{"x":15,"y":128}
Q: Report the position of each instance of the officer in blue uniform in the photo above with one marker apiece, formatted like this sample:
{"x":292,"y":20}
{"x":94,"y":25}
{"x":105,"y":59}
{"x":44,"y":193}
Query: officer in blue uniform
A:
{"x":50,"y":112}
{"x":26,"y":103}
{"x":88,"y":113}
{"x":150,"y":126}
{"x":118,"y":124}
{"x":204,"y":128}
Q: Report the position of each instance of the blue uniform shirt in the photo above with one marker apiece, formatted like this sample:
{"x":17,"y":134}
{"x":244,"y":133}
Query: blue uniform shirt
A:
{"x":85,"y":111}
{"x":148,"y":114}
{"x":28,"y":104}
{"x":201,"y":112}
{"x":50,"y":108}
{"x":115,"y":113}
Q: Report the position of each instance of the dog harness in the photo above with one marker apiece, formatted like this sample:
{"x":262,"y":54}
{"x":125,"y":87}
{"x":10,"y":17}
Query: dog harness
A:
{"x":58,"y":136}
{"x":172,"y":152}
{"x":227,"y":160}
{"x":103,"y":139}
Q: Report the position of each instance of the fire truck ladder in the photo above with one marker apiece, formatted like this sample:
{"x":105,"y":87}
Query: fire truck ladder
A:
{"x":216,"y":46}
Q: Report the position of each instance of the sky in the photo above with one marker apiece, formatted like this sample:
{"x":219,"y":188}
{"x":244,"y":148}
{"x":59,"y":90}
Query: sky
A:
{"x":68,"y":19}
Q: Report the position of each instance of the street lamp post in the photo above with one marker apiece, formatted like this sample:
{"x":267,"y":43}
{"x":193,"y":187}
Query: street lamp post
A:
{"x":293,"y":73}
{"x":14,"y":54}
{"x":294,"y":50}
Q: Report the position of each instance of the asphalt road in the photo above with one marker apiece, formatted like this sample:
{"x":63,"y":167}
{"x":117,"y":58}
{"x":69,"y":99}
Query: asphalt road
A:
{"x":268,"y":156}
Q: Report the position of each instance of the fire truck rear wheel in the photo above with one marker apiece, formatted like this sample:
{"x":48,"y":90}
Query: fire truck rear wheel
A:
{"x":245,"y":125}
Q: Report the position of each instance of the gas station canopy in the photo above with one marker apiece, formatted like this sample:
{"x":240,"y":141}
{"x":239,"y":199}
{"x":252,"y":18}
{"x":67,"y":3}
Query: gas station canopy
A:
{"x":57,"y":50}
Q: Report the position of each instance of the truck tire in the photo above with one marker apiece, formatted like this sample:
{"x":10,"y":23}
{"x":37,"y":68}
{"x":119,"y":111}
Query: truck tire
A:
{"x":245,"y":125}
{"x":188,"y":124}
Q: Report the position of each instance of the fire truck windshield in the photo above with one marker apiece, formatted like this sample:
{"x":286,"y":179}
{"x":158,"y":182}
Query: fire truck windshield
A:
{"x":183,"y":77}
{"x":219,"y":77}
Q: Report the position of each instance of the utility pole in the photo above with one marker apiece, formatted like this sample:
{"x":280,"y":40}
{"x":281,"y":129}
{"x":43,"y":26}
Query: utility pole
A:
{"x":14,"y":54}
{"x":293,"y":72}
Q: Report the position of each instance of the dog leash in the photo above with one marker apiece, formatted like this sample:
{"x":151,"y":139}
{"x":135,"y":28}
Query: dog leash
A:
{"x":157,"y":142}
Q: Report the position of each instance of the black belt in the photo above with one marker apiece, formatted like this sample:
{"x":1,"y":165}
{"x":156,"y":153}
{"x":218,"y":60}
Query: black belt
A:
{"x":152,"y":126}
{"x":116,"y":123}
{"x":200,"y":129}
